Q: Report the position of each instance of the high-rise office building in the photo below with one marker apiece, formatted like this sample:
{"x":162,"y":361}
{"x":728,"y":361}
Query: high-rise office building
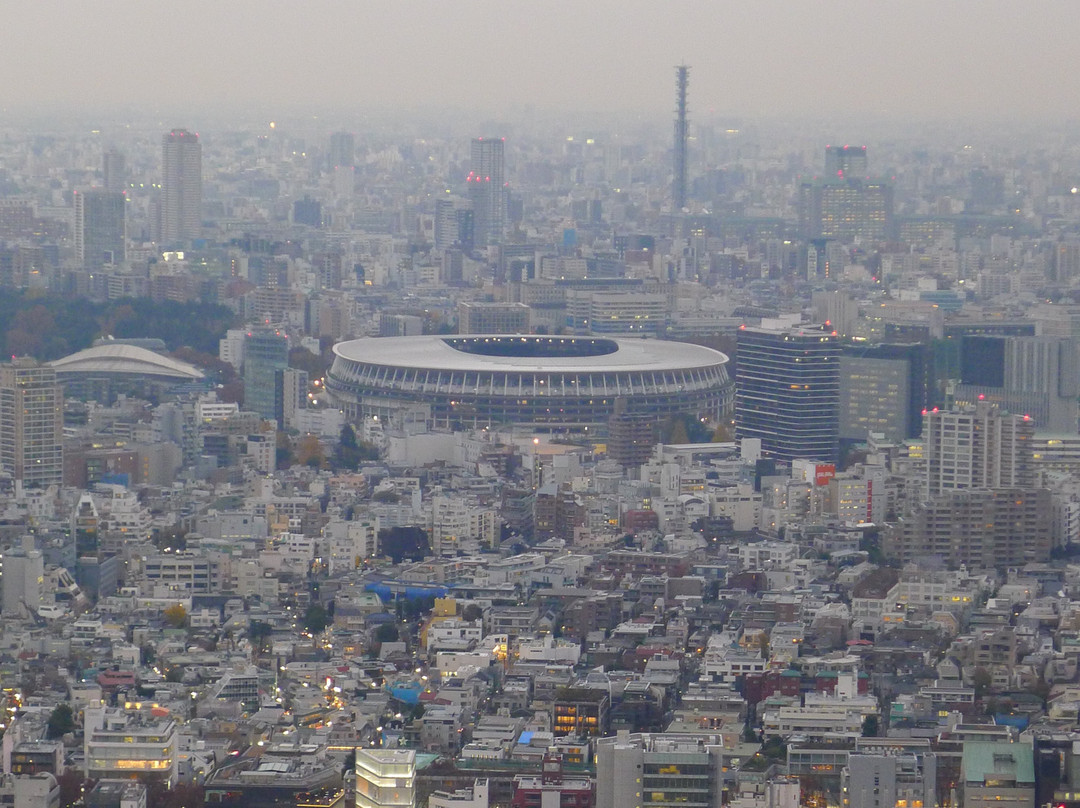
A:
{"x":266,"y":352}
{"x":682,"y":132}
{"x":181,"y":186}
{"x":883,"y":389}
{"x":31,"y":423}
{"x":846,"y":204}
{"x":977,"y":447}
{"x":100,"y":227}
{"x":1036,"y":376}
{"x":787,"y":390}
{"x":114,"y":169}
{"x":385,"y":778}
{"x":846,"y":209}
{"x":486,"y":183}
{"x":342,"y":153}
{"x":846,"y":162}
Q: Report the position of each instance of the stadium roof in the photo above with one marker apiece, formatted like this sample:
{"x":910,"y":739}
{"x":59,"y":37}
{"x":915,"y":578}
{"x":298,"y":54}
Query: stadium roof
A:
{"x":490,"y":352}
{"x":128,"y":360}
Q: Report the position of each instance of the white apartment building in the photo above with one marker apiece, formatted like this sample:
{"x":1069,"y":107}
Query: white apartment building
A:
{"x":454,"y":635}
{"x":515,"y":569}
{"x":127,"y":520}
{"x":209,"y":409}
{"x":767,"y":553}
{"x":297,"y":550}
{"x":261,"y":452}
{"x":385,"y":778}
{"x":119,"y":744}
{"x":977,"y":447}
{"x":815,"y":723}
{"x":231,"y":347}
{"x":741,"y":503}
{"x":548,"y":649}
{"x":456,"y":523}
{"x":186,"y":571}
{"x":346,"y":544}
{"x":937,"y":590}
{"x":725,"y":662}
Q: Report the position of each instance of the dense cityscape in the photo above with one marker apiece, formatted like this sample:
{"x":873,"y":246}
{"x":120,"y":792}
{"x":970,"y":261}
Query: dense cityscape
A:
{"x":674,"y":461}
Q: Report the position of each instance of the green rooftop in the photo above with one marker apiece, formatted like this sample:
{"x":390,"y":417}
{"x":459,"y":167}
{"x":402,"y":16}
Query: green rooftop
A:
{"x":989,"y":760}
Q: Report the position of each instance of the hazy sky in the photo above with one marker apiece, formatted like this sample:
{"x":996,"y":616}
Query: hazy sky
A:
{"x":928,"y":58}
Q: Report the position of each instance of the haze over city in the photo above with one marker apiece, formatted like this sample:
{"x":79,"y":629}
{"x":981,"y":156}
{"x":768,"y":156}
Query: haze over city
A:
{"x":559,"y":405}
{"x":917,"y":59}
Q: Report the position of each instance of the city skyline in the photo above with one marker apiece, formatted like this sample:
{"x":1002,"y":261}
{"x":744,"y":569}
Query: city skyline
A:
{"x":960,"y":59}
{"x":463,"y":433}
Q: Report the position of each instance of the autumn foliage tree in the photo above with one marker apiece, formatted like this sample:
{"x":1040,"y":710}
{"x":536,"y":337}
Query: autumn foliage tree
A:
{"x":309,"y":452}
{"x":175,"y":615}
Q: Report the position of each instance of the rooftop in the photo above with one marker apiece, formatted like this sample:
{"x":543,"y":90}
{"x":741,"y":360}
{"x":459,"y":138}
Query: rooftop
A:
{"x":125,"y":360}
{"x":992,"y":761}
{"x":528,"y":353}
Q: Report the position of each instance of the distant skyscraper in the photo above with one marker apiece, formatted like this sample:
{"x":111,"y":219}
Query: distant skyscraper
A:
{"x":847,"y":162}
{"x":846,"y":209}
{"x":453,"y":223}
{"x":787,"y":390}
{"x":115,"y":170}
{"x":307,"y":211}
{"x":266,"y":351}
{"x":846,"y":204}
{"x":342,"y":152}
{"x":487,"y":189}
{"x":31,"y":423}
{"x":100,"y":227}
{"x":181,"y":186}
{"x":678,"y":188}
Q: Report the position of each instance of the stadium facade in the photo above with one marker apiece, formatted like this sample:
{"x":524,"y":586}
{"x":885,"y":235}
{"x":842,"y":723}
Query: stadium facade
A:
{"x":550,"y":384}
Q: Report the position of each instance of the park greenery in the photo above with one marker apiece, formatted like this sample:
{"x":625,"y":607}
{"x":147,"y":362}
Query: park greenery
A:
{"x":48,"y":326}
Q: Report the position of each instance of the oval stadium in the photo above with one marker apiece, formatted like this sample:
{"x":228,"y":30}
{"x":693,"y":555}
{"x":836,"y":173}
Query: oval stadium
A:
{"x":550,"y":384}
